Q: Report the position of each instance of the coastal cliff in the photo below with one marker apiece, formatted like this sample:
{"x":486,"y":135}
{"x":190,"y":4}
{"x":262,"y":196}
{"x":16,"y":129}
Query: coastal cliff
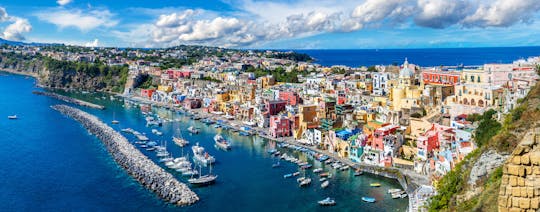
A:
{"x":66,"y":74}
{"x":503,"y":174}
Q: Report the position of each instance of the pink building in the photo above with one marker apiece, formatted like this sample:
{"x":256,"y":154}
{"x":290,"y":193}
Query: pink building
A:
{"x":280,"y":126}
{"x":433,"y":139}
{"x":273,"y":107}
{"x":175,"y":74}
{"x":379,"y":134}
{"x":291,"y":97}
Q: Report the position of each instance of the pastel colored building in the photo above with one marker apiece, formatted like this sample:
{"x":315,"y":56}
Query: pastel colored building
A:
{"x":291,"y":97}
{"x":192,"y":103}
{"x":441,"y":77}
{"x":147,"y":93}
{"x":273,"y":107}
{"x":280,"y":126}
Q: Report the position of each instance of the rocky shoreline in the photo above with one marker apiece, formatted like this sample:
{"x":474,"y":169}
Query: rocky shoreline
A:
{"x":140,"y":167}
{"x":69,"y":99}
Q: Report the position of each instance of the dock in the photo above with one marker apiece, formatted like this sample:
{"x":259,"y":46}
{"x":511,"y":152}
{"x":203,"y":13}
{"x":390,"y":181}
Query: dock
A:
{"x":69,"y":100}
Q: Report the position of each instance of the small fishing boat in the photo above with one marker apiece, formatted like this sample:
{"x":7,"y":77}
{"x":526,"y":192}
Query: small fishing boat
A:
{"x":157,"y":132}
{"x":287,"y":175}
{"x":325,"y":174}
{"x":358,"y":173}
{"x":327,"y":202}
{"x":344,"y":168}
{"x":317,"y":170}
{"x":12,"y":117}
{"x":322,"y":179}
{"x":368,"y":199}
{"x":300,"y":179}
{"x":375,"y":184}
{"x":306,"y":166}
{"x":394,"y":190}
{"x":115,"y":122}
{"x":296,"y":174}
{"x":193,"y":130}
{"x":275,"y":165}
{"x":221,"y":142}
{"x":325,"y":184}
{"x":305,"y":182}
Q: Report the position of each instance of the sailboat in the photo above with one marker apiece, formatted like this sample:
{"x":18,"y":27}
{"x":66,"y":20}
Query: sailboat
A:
{"x":180,"y":141}
{"x":203,"y":180}
{"x":114,"y":121}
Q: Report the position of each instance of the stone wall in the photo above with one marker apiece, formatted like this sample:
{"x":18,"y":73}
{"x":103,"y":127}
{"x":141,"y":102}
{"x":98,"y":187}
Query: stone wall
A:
{"x":520,"y":183}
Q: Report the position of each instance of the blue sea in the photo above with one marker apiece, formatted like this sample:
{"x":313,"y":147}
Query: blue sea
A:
{"x":50,"y":163}
{"x":422,"y":57}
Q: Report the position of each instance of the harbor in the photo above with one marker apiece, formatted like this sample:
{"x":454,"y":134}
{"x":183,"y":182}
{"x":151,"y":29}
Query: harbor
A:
{"x":151,"y":176}
{"x":247,"y":169}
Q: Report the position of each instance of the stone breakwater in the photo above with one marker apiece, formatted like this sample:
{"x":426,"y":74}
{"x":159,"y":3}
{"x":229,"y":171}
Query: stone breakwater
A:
{"x":69,"y":99}
{"x":140,"y":167}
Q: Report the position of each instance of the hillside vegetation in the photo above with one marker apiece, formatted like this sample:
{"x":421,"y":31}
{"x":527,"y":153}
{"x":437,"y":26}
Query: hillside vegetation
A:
{"x":454,"y":193}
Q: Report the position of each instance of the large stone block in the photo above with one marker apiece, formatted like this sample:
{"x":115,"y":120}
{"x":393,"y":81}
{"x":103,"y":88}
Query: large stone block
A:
{"x":516,"y":209}
{"x":521,"y":181}
{"x":513,"y":169}
{"x":516,"y":192}
{"x":525,"y":159}
{"x":528,"y":170}
{"x":523,"y":191}
{"x":536,"y":170}
{"x":515,"y":202}
{"x":535,"y":203}
{"x":535,"y":157}
{"x":530,"y":192}
{"x":503,"y":201}
{"x":516,"y":160}
{"x":502,"y":191}
{"x":513,"y":181}
{"x":536,"y":191}
{"x":524,"y":203}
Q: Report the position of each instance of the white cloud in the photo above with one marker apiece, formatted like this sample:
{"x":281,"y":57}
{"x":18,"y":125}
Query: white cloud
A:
{"x":63,"y":2}
{"x":503,"y":13}
{"x":77,"y":18}
{"x":94,"y":43}
{"x":16,"y":30}
{"x":257,"y":22}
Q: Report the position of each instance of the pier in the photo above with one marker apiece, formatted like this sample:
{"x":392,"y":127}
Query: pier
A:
{"x":69,"y":100}
{"x":136,"y":164}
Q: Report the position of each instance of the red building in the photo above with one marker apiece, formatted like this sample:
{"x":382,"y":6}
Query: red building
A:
{"x":440,"y":77}
{"x":432,"y":140}
{"x":280,"y":126}
{"x":273,"y":107}
{"x":378,"y":136}
{"x":192,"y":103}
{"x":175,"y":74}
{"x":147,"y":93}
{"x":291,"y":97}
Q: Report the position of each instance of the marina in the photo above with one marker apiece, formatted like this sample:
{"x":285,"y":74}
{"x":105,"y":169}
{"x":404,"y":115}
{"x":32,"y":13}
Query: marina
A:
{"x":250,"y":153}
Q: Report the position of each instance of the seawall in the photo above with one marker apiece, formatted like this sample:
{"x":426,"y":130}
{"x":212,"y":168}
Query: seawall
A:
{"x":137,"y":165}
{"x":69,"y":99}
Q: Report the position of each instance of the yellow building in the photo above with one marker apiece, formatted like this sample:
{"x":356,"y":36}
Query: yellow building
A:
{"x":307,"y":119}
{"x":405,"y":93}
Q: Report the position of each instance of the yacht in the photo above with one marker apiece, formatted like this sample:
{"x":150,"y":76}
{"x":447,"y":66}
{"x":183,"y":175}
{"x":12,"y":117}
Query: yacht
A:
{"x":180,"y":141}
{"x":221,"y":142}
{"x":204,"y":180}
{"x":201,"y":156}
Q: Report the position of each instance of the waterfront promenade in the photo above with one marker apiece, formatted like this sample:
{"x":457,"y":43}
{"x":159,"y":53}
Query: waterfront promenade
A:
{"x":136,"y":164}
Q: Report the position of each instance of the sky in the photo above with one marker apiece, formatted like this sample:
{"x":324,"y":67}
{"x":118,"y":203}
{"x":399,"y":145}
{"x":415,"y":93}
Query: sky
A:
{"x":274,"y":24}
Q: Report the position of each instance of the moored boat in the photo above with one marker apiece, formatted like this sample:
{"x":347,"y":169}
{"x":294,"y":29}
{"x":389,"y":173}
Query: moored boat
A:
{"x":305,"y":182}
{"x":327,"y":202}
{"x":201,"y":156}
{"x":368,"y":199}
{"x":180,"y":141}
{"x":12,"y":117}
{"x":193,"y":130}
{"x":325,"y":184}
{"x":375,"y":184}
{"x":221,"y":142}
{"x":317,"y":170}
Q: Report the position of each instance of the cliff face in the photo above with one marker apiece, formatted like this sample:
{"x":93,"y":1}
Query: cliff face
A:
{"x":67,"y":75}
{"x":520,"y":183}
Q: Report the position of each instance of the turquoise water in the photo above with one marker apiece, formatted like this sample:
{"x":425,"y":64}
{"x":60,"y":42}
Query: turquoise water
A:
{"x":49,"y":162}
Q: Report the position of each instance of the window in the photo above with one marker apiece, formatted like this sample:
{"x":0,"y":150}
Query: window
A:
{"x":472,"y":78}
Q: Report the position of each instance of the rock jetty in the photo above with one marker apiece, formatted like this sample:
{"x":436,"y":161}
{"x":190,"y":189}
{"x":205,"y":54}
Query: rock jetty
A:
{"x":69,"y":99}
{"x":140,"y":167}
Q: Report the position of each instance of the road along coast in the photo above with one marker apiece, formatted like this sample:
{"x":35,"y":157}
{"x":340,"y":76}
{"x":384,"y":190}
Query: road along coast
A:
{"x":140,"y":167}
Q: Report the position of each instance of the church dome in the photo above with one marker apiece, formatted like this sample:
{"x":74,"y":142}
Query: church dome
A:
{"x":406,"y":71}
